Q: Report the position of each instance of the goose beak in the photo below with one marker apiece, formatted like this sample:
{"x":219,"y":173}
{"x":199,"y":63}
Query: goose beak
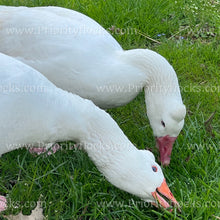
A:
{"x":164,"y":191}
{"x":165,"y":145}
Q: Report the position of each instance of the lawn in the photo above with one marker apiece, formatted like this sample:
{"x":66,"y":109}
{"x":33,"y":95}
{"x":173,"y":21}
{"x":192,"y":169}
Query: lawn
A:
{"x":69,"y":185}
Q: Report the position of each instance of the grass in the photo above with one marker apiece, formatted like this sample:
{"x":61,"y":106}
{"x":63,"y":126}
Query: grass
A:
{"x":68,"y":183}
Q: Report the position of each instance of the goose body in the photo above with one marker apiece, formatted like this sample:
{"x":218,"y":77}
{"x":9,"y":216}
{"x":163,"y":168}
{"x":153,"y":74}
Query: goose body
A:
{"x":33,"y":111}
{"x":78,"y":55}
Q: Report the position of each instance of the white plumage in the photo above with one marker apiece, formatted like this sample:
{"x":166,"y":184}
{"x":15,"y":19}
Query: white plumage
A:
{"x":34,"y":111}
{"x":78,"y":55}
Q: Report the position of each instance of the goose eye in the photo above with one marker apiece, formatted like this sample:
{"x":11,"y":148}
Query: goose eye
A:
{"x":154,"y":168}
{"x":162,"y":122}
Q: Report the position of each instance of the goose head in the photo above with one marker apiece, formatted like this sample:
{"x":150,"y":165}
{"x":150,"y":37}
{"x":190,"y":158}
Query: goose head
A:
{"x":165,"y":109}
{"x":137,"y":172}
{"x":167,"y":121}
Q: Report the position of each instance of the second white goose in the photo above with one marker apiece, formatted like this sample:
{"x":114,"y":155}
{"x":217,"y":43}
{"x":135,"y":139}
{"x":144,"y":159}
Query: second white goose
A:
{"x":33,"y":111}
{"x":78,"y":55}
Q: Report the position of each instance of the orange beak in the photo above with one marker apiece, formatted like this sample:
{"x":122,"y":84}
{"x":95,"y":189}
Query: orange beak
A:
{"x":164,"y":190}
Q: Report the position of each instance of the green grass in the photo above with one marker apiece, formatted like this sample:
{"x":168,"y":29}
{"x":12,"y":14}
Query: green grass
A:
{"x":69,"y":184}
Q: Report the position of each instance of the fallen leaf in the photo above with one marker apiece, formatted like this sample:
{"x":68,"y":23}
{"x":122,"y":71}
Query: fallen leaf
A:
{"x":36,"y":214}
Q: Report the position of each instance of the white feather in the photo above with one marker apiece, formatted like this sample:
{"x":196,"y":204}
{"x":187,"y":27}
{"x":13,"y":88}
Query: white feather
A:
{"x":34,"y":111}
{"x":78,"y":55}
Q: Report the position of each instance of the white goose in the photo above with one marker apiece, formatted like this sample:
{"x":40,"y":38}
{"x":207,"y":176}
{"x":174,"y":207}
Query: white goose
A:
{"x":78,"y":55}
{"x":33,"y":111}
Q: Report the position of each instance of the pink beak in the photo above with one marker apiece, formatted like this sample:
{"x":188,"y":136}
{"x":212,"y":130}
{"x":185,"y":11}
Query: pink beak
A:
{"x":165,"y":145}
